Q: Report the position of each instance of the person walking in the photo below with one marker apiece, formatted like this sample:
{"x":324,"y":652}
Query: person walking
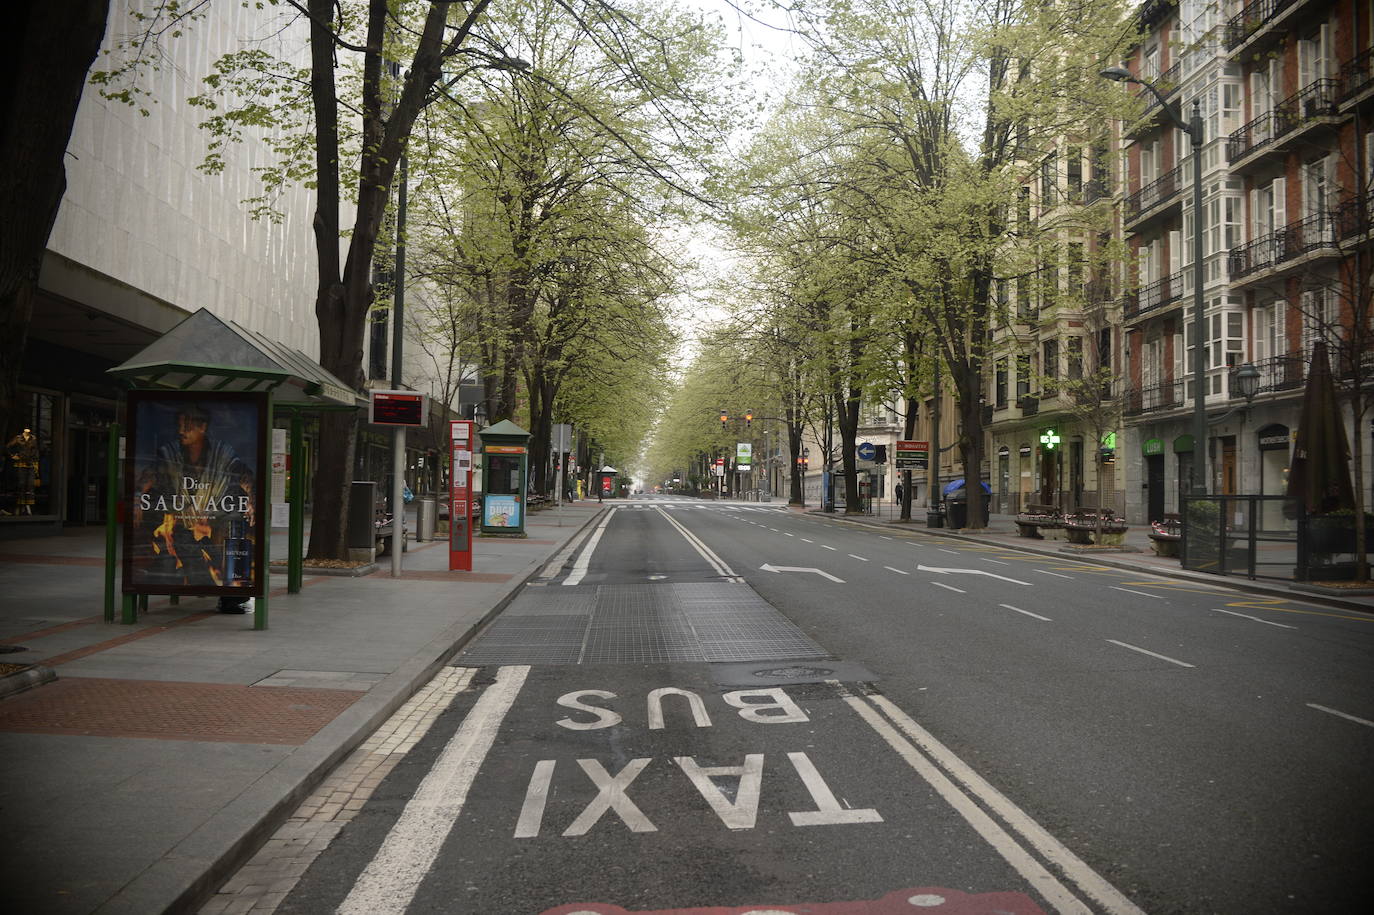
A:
{"x":899,"y":491}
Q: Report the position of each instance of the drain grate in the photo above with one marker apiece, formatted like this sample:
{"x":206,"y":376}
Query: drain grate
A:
{"x":638,"y":624}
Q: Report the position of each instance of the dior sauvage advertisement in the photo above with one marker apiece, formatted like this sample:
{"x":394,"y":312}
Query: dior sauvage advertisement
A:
{"x":196,"y":511}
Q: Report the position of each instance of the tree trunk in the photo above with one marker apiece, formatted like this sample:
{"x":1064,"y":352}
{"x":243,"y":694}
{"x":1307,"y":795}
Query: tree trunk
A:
{"x":847,"y":408}
{"x":52,"y":46}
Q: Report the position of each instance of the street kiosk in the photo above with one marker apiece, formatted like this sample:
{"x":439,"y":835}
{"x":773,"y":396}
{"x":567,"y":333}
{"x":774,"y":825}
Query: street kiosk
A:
{"x":505,"y":479}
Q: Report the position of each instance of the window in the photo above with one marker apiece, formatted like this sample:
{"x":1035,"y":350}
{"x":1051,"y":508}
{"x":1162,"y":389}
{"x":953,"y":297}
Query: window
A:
{"x":1104,"y":360}
{"x":1023,"y":376}
{"x":1075,"y":356}
{"x":1023,"y":210}
{"x":1320,"y":319}
{"x":1151,"y":363}
{"x":1024,"y":312}
{"x":1149,"y":61}
{"x":1001,"y":388}
{"x":1049,"y":175}
{"x":1050,"y":364}
{"x":1073,"y":166}
{"x":1270,"y":339}
{"x":1223,"y":223}
{"x":1074,"y":265}
{"x":1314,"y":56}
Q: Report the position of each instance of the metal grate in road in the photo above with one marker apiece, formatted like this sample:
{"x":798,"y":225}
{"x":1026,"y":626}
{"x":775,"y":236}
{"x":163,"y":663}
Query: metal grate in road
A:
{"x":638,"y":624}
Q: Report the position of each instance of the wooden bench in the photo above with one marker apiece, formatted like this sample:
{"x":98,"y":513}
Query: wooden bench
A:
{"x":1081,"y":527}
{"x":1166,"y":535}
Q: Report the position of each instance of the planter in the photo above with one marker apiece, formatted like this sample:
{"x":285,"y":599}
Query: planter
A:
{"x":1333,"y":536}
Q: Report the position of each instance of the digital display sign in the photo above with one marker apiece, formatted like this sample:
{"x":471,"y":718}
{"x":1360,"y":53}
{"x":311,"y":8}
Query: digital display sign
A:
{"x":398,"y":408}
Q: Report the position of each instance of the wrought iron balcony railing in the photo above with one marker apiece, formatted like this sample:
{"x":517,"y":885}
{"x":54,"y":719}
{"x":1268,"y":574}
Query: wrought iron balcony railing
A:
{"x":1357,"y":74}
{"x":1318,"y":99}
{"x":1153,"y":194}
{"x":1293,"y":240}
{"x":1165,"y":396}
{"x":1252,"y":17}
{"x":1152,"y":296}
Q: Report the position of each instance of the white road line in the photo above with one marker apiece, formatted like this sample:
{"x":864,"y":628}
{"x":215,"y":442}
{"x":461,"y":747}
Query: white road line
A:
{"x":1331,"y":711}
{"x":1027,"y":612}
{"x":773,"y":529}
{"x":585,"y":558}
{"x":998,"y":561}
{"x":898,"y":571}
{"x":824,"y":547}
{"x":1141,"y":593}
{"x":697,"y":544}
{"x":804,"y":540}
{"x":1055,"y":574}
{"x":1255,"y":618}
{"x":951,"y":552}
{"x":968,"y":793}
{"x":389,"y":882}
{"x":884,"y":537}
{"x":785,"y":534}
{"x":860,"y":558}
{"x":940,"y":584}
{"x":1162,"y":657}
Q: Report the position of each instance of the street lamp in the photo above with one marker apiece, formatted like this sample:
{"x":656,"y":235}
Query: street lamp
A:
{"x":1246,"y":382}
{"x":1194,"y":130}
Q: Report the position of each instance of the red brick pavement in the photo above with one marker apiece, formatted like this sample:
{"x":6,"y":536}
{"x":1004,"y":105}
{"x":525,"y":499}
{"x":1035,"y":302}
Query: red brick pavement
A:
{"x":230,"y":713}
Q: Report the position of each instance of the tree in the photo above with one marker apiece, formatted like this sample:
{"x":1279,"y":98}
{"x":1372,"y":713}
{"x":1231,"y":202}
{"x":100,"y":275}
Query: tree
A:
{"x":53,"y":47}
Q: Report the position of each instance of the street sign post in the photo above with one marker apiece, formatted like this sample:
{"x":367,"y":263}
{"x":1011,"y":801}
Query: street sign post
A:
{"x":912,"y":455}
{"x":866,"y":451}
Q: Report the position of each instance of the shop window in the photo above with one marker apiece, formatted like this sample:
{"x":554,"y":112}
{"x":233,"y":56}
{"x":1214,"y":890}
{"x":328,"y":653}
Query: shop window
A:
{"x":27,"y":485}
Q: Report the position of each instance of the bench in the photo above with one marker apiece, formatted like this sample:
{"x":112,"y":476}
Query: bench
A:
{"x":1166,"y":535}
{"x":1081,"y":528}
{"x":1035,"y":517}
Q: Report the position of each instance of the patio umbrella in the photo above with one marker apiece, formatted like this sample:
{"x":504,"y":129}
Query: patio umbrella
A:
{"x":1319,"y":477}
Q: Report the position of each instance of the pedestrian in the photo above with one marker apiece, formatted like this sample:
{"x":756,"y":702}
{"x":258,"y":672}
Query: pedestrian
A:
{"x":899,"y":493}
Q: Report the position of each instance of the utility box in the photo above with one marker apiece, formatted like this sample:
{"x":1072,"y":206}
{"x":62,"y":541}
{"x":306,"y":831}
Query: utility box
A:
{"x":362,"y":520}
{"x":425,"y":518}
{"x":505,"y":479}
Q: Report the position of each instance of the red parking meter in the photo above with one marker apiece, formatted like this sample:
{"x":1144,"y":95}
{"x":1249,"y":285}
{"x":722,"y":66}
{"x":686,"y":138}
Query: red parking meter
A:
{"x":460,"y":496}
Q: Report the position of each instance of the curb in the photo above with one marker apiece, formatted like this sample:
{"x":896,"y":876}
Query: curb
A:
{"x":282,"y":790}
{"x":1220,"y":581}
{"x":28,"y":678}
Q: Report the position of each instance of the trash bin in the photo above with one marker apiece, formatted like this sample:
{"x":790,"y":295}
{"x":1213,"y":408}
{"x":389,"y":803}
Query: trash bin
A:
{"x":957,"y":509}
{"x":935,"y":518}
{"x":362,"y":523}
{"x":425,"y":518}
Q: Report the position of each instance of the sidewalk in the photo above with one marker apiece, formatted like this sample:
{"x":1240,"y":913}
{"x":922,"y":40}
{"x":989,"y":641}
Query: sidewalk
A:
{"x":167,"y":750}
{"x":1138,"y":556}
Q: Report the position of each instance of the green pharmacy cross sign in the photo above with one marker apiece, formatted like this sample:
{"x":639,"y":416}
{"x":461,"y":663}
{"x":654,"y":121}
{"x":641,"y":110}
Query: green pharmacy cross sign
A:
{"x":1049,"y":439}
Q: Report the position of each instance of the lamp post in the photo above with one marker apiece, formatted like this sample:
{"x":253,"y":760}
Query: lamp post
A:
{"x":1193,"y":128}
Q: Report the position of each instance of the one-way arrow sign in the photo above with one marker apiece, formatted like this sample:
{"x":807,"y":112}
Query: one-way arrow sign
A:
{"x":971,"y":572}
{"x":773,"y":568}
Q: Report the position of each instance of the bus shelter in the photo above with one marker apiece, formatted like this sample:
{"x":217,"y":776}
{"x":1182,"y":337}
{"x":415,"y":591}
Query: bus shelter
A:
{"x":206,"y":471}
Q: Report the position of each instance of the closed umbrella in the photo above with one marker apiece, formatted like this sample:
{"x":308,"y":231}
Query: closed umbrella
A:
{"x":1319,"y":477}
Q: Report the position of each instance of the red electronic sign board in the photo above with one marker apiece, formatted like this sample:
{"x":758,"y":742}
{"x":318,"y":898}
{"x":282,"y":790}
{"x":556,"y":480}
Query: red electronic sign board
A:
{"x":398,"y":408}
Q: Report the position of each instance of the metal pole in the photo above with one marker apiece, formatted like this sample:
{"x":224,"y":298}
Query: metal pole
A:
{"x":933,"y":489}
{"x":295,"y":549}
{"x":1199,"y":319}
{"x":113,"y":486}
{"x":398,"y":449}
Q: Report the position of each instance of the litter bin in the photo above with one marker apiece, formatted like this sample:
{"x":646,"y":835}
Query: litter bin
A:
{"x":362,"y":523}
{"x":957,"y":509}
{"x":425,"y":518}
{"x":935,"y":518}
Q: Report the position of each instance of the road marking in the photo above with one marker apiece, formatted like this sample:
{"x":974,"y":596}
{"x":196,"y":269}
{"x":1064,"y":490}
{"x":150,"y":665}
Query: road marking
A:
{"x":1331,"y":711}
{"x":884,"y":537}
{"x":1151,"y":653}
{"x":1016,"y":581}
{"x":939,"y":584}
{"x":998,"y":561}
{"x":804,"y":540}
{"x":898,"y":571}
{"x":1027,"y":612}
{"x":824,"y":547}
{"x":584,"y":559}
{"x":389,"y":882}
{"x":829,"y":811}
{"x":772,"y":568}
{"x":785,"y":534}
{"x":1141,"y":593}
{"x":773,"y":529}
{"x":968,"y":793}
{"x":860,"y":558}
{"x":1055,"y":574}
{"x":610,"y":795}
{"x":1255,"y":618}
{"x":697,"y":544}
{"x":951,"y":552}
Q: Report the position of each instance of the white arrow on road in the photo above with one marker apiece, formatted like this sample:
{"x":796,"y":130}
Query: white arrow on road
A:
{"x":773,"y":568}
{"x":971,"y":572}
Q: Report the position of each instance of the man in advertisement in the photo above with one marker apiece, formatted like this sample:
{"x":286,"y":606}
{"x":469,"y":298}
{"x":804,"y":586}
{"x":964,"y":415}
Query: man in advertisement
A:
{"x":194,"y":514}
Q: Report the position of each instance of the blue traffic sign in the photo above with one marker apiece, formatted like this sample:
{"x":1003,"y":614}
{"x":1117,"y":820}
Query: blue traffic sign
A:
{"x":866,"y":451}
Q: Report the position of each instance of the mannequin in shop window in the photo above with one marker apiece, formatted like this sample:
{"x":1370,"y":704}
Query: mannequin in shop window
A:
{"x":23,"y":452}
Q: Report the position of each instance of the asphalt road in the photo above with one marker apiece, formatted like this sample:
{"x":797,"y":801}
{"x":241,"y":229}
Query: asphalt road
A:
{"x":726,"y":705}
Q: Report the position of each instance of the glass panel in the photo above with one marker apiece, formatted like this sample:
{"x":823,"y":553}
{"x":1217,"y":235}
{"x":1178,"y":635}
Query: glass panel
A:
{"x":26,"y":487}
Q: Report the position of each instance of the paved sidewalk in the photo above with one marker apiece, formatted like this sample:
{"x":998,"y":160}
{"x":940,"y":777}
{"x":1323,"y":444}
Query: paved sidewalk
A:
{"x":1138,"y":555}
{"x":167,"y":751}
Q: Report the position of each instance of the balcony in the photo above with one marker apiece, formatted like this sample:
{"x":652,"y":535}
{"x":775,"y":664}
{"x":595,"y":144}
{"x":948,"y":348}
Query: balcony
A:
{"x":1154,"y":399}
{"x":1153,"y":198}
{"x":1029,"y":404}
{"x":1152,"y":297}
{"x":1357,"y":78}
{"x":1289,"y":247}
{"x":1355,"y":217}
{"x":1271,"y":131}
{"x":1280,"y":373}
{"x":1254,"y":19}
{"x":1166,"y":83}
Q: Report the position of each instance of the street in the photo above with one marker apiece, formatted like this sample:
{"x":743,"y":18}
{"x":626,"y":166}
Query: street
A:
{"x":711,"y":704}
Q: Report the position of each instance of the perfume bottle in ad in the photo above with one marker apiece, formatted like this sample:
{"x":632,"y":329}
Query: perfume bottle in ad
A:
{"x":238,"y":554}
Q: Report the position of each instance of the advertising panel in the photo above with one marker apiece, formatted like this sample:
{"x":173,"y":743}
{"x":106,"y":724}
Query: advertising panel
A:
{"x":460,"y":492}
{"x":398,"y":408}
{"x":744,"y":455}
{"x":500,"y":510}
{"x":197,"y":507}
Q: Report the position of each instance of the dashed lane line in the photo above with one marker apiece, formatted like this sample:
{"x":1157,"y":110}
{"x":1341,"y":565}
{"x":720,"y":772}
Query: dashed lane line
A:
{"x":1141,"y":593}
{"x":1027,"y":612}
{"x":1331,"y":711}
{"x":1255,"y":618}
{"x":825,"y":547}
{"x":1162,"y":657}
{"x":1055,"y":574}
{"x":951,"y":552}
{"x":940,"y":584}
{"x":860,"y":558}
{"x":898,"y":571}
{"x":998,"y":561}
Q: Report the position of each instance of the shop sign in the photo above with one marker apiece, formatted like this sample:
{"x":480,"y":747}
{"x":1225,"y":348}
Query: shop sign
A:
{"x":1152,"y":446}
{"x":1274,"y":437}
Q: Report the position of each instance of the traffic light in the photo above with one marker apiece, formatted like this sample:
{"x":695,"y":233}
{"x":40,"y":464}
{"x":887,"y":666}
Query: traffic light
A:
{"x":880,"y":454}
{"x":724,"y":418}
{"x":803,"y":463}
{"x":748,"y":420}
